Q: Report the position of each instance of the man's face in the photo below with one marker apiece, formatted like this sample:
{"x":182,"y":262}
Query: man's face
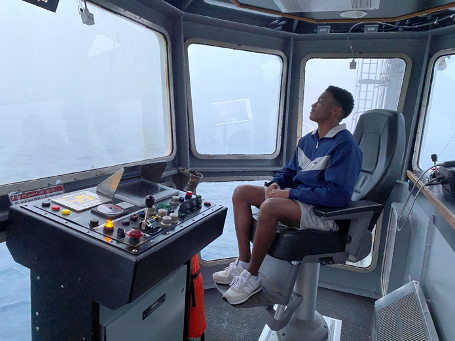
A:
{"x":325,"y":109}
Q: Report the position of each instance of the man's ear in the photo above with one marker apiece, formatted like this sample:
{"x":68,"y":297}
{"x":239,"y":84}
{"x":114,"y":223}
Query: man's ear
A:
{"x":336,"y":111}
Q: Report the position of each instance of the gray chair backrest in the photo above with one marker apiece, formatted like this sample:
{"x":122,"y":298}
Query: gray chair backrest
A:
{"x":380,"y":134}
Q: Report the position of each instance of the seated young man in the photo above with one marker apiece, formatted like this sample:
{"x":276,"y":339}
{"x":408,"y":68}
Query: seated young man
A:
{"x":322,"y":172}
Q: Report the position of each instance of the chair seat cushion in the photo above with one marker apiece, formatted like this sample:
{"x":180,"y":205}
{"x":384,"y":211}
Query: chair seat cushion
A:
{"x":292,"y":244}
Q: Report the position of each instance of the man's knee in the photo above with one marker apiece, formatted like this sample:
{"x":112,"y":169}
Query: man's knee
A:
{"x":276,"y":209}
{"x":249,"y":194}
{"x":268,"y":209}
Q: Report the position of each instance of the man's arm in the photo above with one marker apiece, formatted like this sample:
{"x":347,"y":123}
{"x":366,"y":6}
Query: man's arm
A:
{"x":284,"y":177}
{"x":340,"y":177}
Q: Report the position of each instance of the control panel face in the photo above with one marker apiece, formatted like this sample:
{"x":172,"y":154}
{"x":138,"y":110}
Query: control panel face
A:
{"x":121,"y":223}
{"x":80,"y":201}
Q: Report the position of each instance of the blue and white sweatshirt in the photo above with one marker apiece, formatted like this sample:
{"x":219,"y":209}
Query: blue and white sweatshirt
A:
{"x":323,"y":171}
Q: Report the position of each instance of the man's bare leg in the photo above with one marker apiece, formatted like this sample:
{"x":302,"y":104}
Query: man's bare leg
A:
{"x":271,"y":211}
{"x":244,"y":196}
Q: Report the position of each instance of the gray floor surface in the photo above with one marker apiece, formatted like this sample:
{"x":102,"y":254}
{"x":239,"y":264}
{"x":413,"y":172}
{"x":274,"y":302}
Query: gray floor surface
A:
{"x":225,"y":323}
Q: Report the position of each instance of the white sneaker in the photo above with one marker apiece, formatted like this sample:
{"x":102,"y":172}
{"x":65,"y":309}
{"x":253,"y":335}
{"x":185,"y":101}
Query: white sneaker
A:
{"x":227,"y":275}
{"x":242,"y":288}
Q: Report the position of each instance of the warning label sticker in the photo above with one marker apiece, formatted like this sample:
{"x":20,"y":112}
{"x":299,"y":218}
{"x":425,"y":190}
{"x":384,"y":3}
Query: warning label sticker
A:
{"x":23,"y":197}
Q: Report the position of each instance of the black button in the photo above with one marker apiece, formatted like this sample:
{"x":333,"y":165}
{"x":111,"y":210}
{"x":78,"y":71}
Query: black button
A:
{"x":207,"y":203}
{"x":133,"y":217}
{"x":120,"y":233}
{"x":46,"y":203}
{"x":94,"y":222}
{"x":125,"y":222}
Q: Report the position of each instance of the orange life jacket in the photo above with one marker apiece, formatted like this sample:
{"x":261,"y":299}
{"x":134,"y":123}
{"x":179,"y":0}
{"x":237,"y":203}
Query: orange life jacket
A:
{"x":196,"y":323}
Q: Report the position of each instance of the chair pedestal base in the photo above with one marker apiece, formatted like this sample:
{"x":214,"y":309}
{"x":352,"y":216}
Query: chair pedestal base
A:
{"x":304,"y":330}
{"x":311,"y":330}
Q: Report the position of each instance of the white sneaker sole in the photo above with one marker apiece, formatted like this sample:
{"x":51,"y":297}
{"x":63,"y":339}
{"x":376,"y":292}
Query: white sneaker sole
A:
{"x":245,"y":299}
{"x":222,"y":282}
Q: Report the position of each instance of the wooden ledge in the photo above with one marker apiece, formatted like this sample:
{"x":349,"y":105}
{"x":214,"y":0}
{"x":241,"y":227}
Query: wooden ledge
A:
{"x":434,"y":198}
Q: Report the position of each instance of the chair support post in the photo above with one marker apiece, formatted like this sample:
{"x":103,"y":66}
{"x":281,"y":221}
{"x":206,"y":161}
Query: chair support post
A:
{"x":306,"y":285}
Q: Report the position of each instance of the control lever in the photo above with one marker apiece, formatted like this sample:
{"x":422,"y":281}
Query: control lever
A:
{"x":149,"y":201}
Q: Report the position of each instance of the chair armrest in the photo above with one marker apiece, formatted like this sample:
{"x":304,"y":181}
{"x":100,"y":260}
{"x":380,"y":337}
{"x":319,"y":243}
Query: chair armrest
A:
{"x":341,"y":213}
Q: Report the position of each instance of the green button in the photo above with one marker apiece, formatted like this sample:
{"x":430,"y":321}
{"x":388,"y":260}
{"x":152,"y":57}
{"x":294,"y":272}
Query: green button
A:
{"x":167,"y":205}
{"x":160,"y":206}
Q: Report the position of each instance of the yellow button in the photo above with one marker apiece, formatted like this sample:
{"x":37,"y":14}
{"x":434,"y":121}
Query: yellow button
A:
{"x":66,"y":212}
{"x":109,"y":225}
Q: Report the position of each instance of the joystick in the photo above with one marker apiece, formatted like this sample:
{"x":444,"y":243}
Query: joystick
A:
{"x":149,"y":201}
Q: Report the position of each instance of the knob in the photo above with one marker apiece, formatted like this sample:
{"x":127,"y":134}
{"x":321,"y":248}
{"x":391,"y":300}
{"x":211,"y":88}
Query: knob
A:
{"x":167,"y":221}
{"x":161,"y":213}
{"x":133,"y":217}
{"x":135,"y":234}
{"x":207,"y":204}
{"x":198,"y":200}
{"x":120,"y":233}
{"x":149,"y":201}
{"x":181,"y":199}
{"x":125,"y":222}
{"x":174,"y":200}
{"x":46,"y":203}
{"x":174,"y":217}
{"x":94,"y":222}
{"x":142,"y":214}
{"x":188,"y":195}
{"x":184,"y":206}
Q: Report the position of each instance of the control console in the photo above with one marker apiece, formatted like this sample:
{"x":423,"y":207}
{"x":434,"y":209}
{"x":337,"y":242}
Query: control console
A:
{"x":123,"y":221}
{"x":110,"y":245}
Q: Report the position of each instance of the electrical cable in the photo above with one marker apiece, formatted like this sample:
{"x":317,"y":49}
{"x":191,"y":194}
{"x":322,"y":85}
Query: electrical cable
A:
{"x":412,"y":205}
{"x":447,"y":144}
{"x":435,"y":22}
{"x":409,"y":196}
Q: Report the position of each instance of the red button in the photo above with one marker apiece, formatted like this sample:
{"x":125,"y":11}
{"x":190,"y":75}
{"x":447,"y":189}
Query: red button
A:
{"x":136,"y":234}
{"x":55,"y":208}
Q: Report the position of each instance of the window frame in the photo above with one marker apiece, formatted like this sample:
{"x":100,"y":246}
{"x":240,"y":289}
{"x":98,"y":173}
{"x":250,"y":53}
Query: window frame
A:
{"x":424,"y":105}
{"x":404,"y":87}
{"x":26,"y":185}
{"x":278,"y":143}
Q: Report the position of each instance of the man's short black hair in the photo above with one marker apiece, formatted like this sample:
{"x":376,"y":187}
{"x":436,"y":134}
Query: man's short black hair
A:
{"x":343,"y":98}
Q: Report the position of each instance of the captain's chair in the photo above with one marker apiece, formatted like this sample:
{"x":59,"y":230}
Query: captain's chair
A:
{"x":290,"y":271}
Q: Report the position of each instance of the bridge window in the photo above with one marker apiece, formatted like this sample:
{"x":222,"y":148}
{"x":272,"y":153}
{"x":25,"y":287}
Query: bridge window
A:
{"x":436,"y":128}
{"x":75,"y":97}
{"x":235,"y":101}
{"x":376,"y":83}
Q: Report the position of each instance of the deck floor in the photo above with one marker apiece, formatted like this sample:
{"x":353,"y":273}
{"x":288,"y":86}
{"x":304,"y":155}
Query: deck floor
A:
{"x":225,"y":323}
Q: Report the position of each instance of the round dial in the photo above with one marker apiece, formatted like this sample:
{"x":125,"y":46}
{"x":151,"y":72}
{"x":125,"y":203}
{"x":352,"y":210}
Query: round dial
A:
{"x":109,"y":209}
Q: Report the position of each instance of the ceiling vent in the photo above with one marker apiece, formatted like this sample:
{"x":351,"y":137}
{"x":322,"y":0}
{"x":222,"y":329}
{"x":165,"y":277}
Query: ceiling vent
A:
{"x":293,"y":6}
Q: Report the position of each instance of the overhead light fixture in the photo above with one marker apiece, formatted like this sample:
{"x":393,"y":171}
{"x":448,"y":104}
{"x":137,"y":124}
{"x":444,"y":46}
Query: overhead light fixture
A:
{"x":353,"y":14}
{"x":86,"y":16}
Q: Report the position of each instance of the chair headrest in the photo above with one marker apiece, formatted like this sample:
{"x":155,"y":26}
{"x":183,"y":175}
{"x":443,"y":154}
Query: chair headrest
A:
{"x":380,"y":134}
